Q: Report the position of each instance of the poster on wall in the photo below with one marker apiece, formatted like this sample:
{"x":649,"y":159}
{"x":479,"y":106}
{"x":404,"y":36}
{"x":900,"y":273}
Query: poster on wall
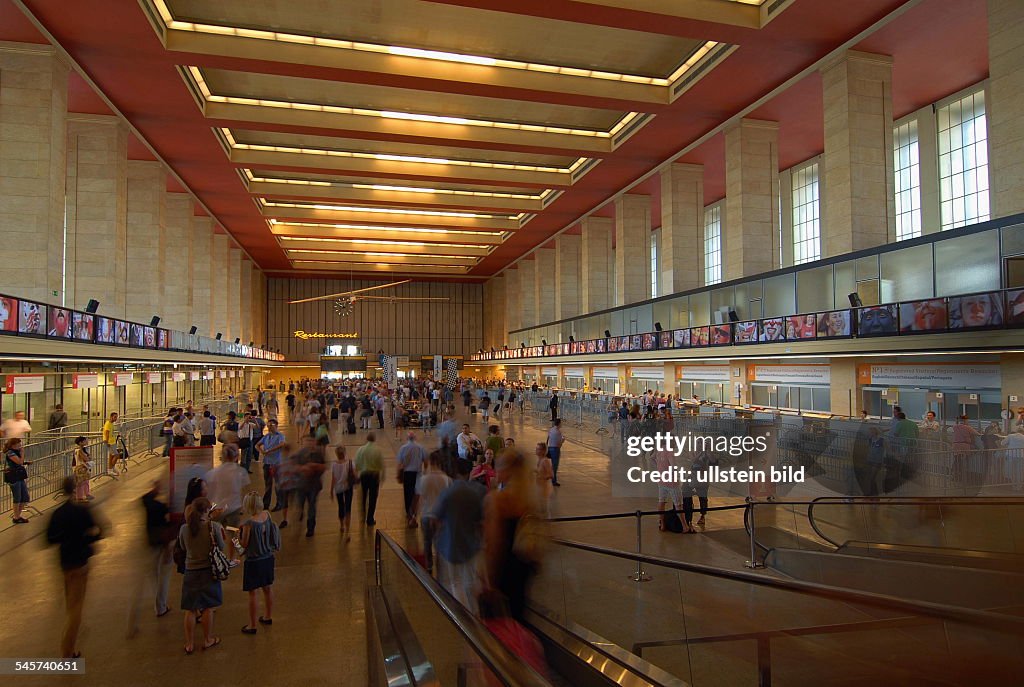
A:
{"x":976,"y":311}
{"x":681,"y":338}
{"x":771,"y":329}
{"x":31,"y":319}
{"x":923,"y":316}
{"x":24,"y":384}
{"x":122,"y":336}
{"x":105,"y":330}
{"x":8,"y":314}
{"x":59,"y":326}
{"x":83,"y":325}
{"x":799,"y":327}
{"x":834,"y":324}
{"x":745,"y":332}
{"x":721,"y":334}
{"x":878,"y":320}
{"x":700,"y":336}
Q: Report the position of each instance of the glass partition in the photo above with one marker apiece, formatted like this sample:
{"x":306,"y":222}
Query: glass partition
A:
{"x":779,"y":297}
{"x":906,"y":274}
{"x":967,"y":264}
{"x":814,"y":289}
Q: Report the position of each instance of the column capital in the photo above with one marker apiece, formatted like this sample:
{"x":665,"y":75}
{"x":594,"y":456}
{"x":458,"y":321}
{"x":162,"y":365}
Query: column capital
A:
{"x":682,"y":169}
{"x":752,"y":124}
{"x":99,"y":119}
{"x":17,"y":48}
{"x":857,"y":56}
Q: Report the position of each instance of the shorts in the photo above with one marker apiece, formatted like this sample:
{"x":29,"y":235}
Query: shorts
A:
{"x":673,"y":495}
{"x":20,"y":491}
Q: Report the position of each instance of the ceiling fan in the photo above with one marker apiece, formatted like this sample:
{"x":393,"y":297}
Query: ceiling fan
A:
{"x":344,"y":302}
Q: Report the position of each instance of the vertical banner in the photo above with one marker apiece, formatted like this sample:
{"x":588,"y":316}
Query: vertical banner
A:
{"x":438,"y":367}
{"x":390,"y":365}
{"x":451,"y":373}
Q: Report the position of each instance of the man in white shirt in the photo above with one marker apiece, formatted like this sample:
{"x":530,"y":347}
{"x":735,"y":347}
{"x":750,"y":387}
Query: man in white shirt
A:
{"x":465,"y":442}
{"x":224,"y":485}
{"x":15,"y":427}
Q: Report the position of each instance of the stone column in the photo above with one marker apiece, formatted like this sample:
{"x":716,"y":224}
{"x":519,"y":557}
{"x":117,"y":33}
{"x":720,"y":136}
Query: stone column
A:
{"x":528,"y":287}
{"x":596,"y":264}
{"x":632,"y":248}
{"x":843,"y":380}
{"x":567,"y":276}
{"x":232,"y":293}
{"x":33,"y":149}
{"x":147,"y":240}
{"x":259,"y":314}
{"x":202,"y":276}
{"x":513,"y":301}
{"x":219,"y":284}
{"x":499,"y":313}
{"x":544,"y":290}
{"x":179,"y":263}
{"x":750,"y":235}
{"x":1005,"y":108}
{"x":245,"y":303}
{"x":488,"y":313}
{"x":859,"y":208}
{"x":681,"y":257}
{"x":97,"y":213}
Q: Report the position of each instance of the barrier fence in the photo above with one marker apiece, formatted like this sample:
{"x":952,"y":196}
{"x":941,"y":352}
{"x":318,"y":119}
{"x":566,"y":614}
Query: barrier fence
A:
{"x":139,"y":439}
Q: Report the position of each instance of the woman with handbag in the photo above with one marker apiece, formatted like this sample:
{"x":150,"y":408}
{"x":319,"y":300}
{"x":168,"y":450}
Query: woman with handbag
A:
{"x":202,"y":542}
{"x":16,"y":476}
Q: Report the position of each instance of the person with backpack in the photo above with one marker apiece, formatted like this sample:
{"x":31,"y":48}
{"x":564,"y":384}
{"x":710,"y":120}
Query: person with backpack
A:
{"x":260,"y":539}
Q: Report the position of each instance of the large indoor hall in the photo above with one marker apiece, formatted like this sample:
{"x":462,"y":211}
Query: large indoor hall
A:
{"x":464,"y":343}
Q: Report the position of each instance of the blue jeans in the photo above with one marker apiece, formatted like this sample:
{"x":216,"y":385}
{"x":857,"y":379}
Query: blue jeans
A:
{"x":307,"y":501}
{"x":555,"y":454}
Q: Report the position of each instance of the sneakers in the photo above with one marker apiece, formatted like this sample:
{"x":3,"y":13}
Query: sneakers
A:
{"x":19,"y":521}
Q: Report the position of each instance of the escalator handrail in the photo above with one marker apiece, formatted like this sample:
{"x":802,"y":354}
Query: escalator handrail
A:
{"x":507,"y":667}
{"x":958,"y":614}
{"x":899,"y":501}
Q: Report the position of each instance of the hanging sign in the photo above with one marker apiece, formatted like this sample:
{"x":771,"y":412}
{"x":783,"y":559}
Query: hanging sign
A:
{"x":647,"y":372}
{"x":85,"y":380}
{"x":575,"y":372}
{"x":193,"y":375}
{"x":790,"y":374}
{"x":606,"y":372}
{"x":123,"y":378}
{"x":223,"y":374}
{"x":24,"y":384}
{"x":154,"y":377}
{"x":177,"y":376}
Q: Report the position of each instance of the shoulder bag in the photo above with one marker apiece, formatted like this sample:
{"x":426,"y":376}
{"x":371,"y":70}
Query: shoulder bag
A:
{"x":219,"y":565}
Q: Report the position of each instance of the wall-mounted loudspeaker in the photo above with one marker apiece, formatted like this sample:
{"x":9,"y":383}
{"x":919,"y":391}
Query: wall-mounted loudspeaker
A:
{"x":855,"y":301}
{"x":607,"y":334}
{"x":92,"y":306}
{"x":657,"y":326}
{"x":733,"y":317}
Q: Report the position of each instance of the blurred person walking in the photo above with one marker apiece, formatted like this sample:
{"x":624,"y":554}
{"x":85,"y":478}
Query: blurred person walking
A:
{"x":270,"y":446}
{"x":74,"y":529}
{"x":260,"y":539}
{"x":555,"y":441}
{"x":432,"y":483}
{"x":459,"y":514}
{"x":81,"y":464}
{"x":159,"y":538}
{"x":310,"y":466}
{"x":411,"y":457}
{"x":343,"y":482}
{"x":370,"y":468}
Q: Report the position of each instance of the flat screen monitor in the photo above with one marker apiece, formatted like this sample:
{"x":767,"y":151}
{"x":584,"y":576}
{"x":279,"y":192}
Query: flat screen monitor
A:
{"x":122,"y":333}
{"x":591,"y":346}
{"x":721,"y":334}
{"x":623,"y":343}
{"x":59,"y":323}
{"x":83,"y":325}
{"x":163,"y":339}
{"x":599,"y":346}
{"x":31,"y":318}
{"x":649,"y":342}
{"x":149,"y":336}
{"x":878,"y":320}
{"x":976,"y":311}
{"x":636,"y":342}
{"x":665,"y":340}
{"x":799,"y":327}
{"x":138,"y":336}
{"x":613,"y":344}
{"x":105,"y":330}
{"x":771,"y":329}
{"x":681,"y":338}
{"x":928,"y":315}
{"x":834,"y":324}
{"x":745,"y":332}
{"x":8,"y":315}
{"x":700,"y":336}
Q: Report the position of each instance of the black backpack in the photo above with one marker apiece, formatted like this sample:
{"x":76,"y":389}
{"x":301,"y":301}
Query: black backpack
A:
{"x":673,"y":523}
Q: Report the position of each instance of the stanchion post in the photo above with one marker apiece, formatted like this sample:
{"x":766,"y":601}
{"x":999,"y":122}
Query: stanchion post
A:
{"x":752,"y":563}
{"x":639,"y":575}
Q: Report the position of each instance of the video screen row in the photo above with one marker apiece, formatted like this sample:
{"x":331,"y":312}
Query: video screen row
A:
{"x":988,"y":310}
{"x":22,"y":317}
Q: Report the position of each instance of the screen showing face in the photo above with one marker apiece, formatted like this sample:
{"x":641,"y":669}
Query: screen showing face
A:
{"x":699,"y":336}
{"x":746,"y":332}
{"x":599,"y":346}
{"x":591,"y":347}
{"x":31,"y":318}
{"x":163,"y":339}
{"x":772,"y":329}
{"x":623,"y":343}
{"x":138,"y":335}
{"x":121,"y":333}
{"x":613,"y":344}
{"x":105,"y":330}
{"x":923,"y":316}
{"x":59,"y":323}
{"x":150,"y":337}
{"x":681,"y":338}
{"x":83,"y":325}
{"x":834,"y":323}
{"x":8,"y":314}
{"x":1015,"y":307}
{"x":721,"y":334}
{"x":665,"y":340}
{"x":976,"y":311}
{"x":801,"y":327}
{"x":636,"y":343}
{"x":877,"y":321}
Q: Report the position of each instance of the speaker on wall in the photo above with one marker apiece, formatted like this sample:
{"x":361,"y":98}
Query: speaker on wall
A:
{"x":192,"y":331}
{"x":218,"y":336}
{"x":657,"y":326}
{"x":855,"y":301}
{"x":607,"y":334}
{"x":92,"y":306}
{"x":572,"y":338}
{"x":237,"y":341}
{"x":543,"y":342}
{"x":155,"y":321}
{"x":733,"y":316}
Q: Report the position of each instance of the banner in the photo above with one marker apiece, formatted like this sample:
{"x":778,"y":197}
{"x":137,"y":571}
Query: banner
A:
{"x":223,"y":374}
{"x":549,"y":371}
{"x":451,"y":373}
{"x":704,"y":373}
{"x":790,"y":374}
{"x":123,"y":378}
{"x":606,"y":373}
{"x":575,"y":372}
{"x":85,"y":380}
{"x":177,"y":376}
{"x":24,"y":384}
{"x":154,"y":377}
{"x":438,"y":367}
{"x":647,"y":372}
{"x":924,"y":376}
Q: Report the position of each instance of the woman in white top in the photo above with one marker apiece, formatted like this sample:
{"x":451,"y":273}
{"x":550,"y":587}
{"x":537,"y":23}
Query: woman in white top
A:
{"x":343,"y":480}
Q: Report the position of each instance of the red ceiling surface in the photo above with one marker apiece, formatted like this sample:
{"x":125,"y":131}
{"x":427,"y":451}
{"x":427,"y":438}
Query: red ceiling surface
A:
{"x":116,"y":47}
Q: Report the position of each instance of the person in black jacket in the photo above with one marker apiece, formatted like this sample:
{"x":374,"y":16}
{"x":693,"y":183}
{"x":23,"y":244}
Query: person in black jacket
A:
{"x":553,"y":406}
{"x":73,"y":528}
{"x":159,"y":539}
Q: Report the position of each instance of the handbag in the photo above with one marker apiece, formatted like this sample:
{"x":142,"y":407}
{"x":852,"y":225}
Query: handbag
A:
{"x":14,"y":472}
{"x":219,"y":566}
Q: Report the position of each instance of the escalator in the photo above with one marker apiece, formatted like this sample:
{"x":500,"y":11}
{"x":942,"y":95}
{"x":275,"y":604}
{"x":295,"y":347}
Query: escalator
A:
{"x":419,"y":635}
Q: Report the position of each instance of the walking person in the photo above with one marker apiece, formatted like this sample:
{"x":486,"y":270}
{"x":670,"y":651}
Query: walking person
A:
{"x":200,"y":591}
{"x":16,"y":477}
{"x":248,"y":434}
{"x":459,"y":513}
{"x":74,"y":529}
{"x":553,"y":405}
{"x":411,"y":457}
{"x":159,"y":537}
{"x":270,"y":446}
{"x":260,"y":539}
{"x":310,"y":466}
{"x":555,"y":441}
{"x":432,"y":483}
{"x":370,"y":468}
{"x":545,"y":473}
{"x":343,"y":482}
{"x":81,"y":464}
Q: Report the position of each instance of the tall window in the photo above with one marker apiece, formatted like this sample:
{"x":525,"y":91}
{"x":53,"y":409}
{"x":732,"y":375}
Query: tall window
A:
{"x":654,"y":264}
{"x":963,"y":161}
{"x":713,"y":244}
{"x":806,"y":218}
{"x":907,"y":167}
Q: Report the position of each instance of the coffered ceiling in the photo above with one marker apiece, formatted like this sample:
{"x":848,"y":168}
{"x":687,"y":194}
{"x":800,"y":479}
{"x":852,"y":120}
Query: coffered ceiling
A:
{"x":441,"y":139}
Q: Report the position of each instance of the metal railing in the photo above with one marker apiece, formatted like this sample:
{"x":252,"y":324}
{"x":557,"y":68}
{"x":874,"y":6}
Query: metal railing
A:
{"x":50,"y":459}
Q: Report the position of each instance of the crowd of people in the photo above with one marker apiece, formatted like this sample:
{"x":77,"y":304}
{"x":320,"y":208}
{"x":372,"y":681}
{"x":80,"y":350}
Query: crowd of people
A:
{"x":471,"y":499}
